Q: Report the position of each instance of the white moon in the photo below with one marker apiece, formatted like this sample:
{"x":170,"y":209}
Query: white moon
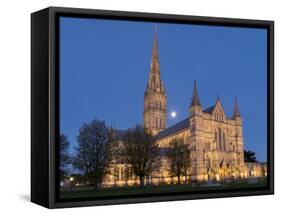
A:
{"x":173,"y":114}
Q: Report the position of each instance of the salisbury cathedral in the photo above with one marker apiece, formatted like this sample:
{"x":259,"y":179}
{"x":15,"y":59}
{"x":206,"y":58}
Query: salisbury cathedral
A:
{"x":215,"y":140}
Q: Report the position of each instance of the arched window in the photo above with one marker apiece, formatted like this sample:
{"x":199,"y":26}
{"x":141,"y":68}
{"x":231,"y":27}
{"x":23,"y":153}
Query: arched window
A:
{"x":224,"y":148}
{"x":220,"y":139}
{"x":160,"y":105}
{"x":156,"y":122}
{"x":160,"y":124}
{"x":216,"y":140}
{"x":217,"y":116}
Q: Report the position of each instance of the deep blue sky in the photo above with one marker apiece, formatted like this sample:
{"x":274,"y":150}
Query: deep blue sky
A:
{"x":105,"y":66}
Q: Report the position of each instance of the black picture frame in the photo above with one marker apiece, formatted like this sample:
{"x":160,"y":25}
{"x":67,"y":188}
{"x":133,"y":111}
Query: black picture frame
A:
{"x":45,"y":104}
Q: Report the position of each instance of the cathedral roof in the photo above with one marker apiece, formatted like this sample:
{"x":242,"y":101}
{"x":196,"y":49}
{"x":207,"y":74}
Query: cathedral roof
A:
{"x":119,"y":134}
{"x":209,"y":110}
{"x":174,"y":128}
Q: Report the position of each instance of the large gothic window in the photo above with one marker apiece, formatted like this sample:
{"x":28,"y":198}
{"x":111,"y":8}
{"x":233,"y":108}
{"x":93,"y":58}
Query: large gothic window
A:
{"x":223,"y":138}
{"x":218,"y":116}
{"x":220,"y":139}
{"x":217,"y":140}
{"x":221,"y":117}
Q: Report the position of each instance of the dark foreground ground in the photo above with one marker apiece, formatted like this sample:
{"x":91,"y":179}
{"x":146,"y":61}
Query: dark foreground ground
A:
{"x":88,"y":192}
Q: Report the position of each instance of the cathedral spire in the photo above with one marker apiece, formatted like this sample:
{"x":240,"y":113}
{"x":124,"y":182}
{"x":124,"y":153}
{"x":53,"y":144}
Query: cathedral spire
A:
{"x":236,"y":112}
{"x":154,"y":82}
{"x":195,"y":98}
{"x":155,"y":45}
{"x":155,"y":105}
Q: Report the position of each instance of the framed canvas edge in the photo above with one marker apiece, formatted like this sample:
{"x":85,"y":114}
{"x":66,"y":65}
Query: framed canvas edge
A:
{"x":54,"y":11}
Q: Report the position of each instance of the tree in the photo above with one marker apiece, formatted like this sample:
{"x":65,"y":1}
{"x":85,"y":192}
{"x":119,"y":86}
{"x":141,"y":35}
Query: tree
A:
{"x":94,"y":151}
{"x":179,"y":158}
{"x":64,"y":156}
{"x":250,"y":157}
{"x":140,"y":151}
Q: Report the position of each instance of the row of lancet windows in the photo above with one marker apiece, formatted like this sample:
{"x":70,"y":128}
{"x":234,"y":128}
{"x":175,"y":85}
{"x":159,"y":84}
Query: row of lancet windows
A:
{"x":218,"y":117}
{"x":157,"y":105}
{"x":220,"y":139}
{"x":157,"y":123}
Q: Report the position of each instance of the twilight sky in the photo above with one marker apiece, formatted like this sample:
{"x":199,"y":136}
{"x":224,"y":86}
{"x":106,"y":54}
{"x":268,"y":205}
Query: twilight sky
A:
{"x":104,"y":67}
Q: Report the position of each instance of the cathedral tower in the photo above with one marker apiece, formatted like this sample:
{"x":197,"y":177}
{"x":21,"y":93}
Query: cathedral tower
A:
{"x":155,"y":96}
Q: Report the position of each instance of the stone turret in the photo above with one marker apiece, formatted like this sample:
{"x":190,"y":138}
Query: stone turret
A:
{"x":236,"y":112}
{"x":195,"y":106}
{"x":196,"y":139}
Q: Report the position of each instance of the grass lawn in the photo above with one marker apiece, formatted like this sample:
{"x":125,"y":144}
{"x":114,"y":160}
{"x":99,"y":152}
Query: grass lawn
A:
{"x":88,"y":192}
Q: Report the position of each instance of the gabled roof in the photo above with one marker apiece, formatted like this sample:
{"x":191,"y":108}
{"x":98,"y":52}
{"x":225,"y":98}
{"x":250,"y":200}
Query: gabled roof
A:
{"x":174,"y":128}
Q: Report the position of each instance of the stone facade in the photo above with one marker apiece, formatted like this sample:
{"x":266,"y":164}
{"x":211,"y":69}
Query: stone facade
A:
{"x":215,"y":141}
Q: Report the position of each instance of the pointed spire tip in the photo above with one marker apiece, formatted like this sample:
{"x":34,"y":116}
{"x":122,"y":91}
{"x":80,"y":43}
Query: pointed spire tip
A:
{"x":236,"y":112}
{"x":195,"y":98}
{"x":154,"y":81}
